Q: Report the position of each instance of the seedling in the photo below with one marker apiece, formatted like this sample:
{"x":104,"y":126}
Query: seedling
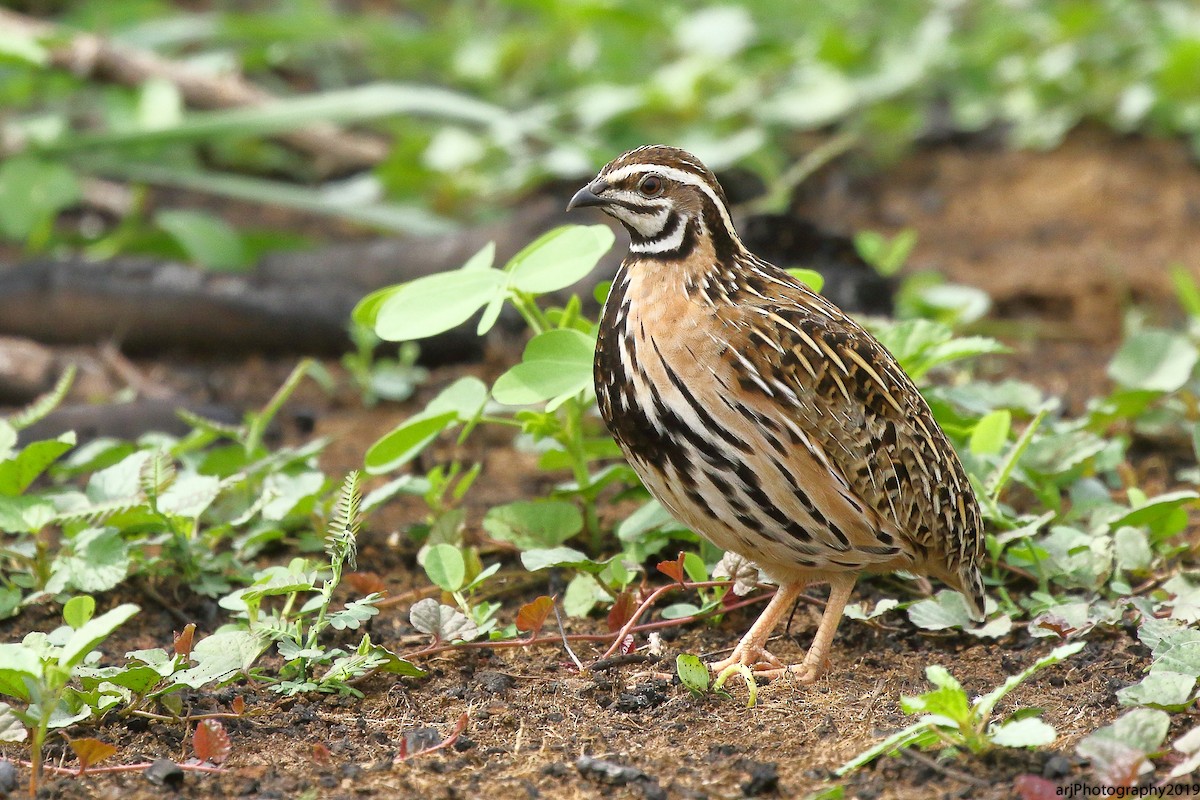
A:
{"x":38,"y":671}
{"x":952,"y":720}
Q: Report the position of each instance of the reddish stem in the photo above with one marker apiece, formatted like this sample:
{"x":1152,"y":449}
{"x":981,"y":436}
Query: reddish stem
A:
{"x":437,"y":648}
{"x":444,"y":743}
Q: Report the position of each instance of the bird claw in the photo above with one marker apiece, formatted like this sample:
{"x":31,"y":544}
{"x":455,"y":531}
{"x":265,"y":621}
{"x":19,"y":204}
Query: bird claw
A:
{"x":759,"y":661}
{"x":766,"y":667}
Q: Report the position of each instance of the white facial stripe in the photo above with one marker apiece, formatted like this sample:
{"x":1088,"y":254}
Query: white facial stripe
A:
{"x":679,"y":176}
{"x":673,"y":241}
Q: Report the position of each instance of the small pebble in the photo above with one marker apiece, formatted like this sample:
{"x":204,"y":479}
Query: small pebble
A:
{"x":8,"y":777}
{"x":165,"y":772}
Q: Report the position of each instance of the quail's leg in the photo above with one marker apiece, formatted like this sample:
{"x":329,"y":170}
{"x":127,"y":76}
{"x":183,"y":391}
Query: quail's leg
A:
{"x":814,"y":663}
{"x":750,"y":650}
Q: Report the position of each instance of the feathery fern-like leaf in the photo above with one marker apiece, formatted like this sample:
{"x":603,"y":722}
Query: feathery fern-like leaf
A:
{"x":40,"y":408}
{"x":340,"y":543}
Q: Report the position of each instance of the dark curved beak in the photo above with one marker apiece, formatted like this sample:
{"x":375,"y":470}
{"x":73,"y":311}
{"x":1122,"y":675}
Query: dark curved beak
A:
{"x":589,"y":195}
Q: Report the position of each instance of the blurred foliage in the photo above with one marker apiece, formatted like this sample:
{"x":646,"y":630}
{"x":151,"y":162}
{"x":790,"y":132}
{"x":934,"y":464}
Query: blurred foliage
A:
{"x":482,"y":100}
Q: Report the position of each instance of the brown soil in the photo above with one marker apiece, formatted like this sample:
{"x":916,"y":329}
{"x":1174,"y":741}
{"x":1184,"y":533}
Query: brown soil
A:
{"x":1063,"y":241}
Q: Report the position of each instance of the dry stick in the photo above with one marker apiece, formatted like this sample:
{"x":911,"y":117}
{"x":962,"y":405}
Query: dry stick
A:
{"x":949,"y":772}
{"x":566,"y":644}
{"x":85,"y":54}
{"x":78,"y":773}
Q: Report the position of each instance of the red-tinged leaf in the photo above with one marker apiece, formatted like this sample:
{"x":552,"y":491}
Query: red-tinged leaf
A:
{"x":91,"y":751}
{"x":533,"y":614}
{"x":366,"y":583}
{"x":1033,"y":787}
{"x":621,"y":611}
{"x":210,"y":742}
{"x":1055,"y":624}
{"x":673,"y":569}
{"x":238,"y":706}
{"x":183,"y":641}
{"x":322,"y":756}
{"x":627,"y":645}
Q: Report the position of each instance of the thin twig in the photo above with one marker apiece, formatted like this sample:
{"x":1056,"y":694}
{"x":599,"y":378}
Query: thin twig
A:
{"x":949,"y":772}
{"x":562,"y":632}
{"x":649,"y":601}
{"x":333,"y":148}
{"x":78,"y":772}
{"x":442,"y":647}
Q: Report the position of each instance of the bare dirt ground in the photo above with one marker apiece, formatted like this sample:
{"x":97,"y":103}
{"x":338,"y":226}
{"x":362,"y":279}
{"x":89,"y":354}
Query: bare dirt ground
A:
{"x":1064,"y":241}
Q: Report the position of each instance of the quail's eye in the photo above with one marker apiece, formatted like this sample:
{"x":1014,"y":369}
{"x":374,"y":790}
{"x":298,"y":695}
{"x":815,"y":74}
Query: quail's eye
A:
{"x":650,"y":186}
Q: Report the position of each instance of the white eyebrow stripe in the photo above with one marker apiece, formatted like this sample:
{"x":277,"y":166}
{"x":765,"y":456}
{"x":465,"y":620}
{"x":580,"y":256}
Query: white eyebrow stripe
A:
{"x":679,"y":176}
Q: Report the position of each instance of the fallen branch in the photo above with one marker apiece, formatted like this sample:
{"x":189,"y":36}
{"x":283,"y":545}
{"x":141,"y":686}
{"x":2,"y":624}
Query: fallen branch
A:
{"x":333,"y":149}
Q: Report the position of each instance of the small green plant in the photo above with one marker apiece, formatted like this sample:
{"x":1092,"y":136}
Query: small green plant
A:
{"x":695,"y":676}
{"x":38,"y":671}
{"x":951,"y":720}
{"x":382,"y":378}
{"x":297,"y":631}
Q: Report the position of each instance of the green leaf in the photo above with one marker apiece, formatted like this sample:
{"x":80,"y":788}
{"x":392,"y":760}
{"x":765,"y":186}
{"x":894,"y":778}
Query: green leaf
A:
{"x":985,"y":704}
{"x":532,"y":524}
{"x":99,"y":560}
{"x":1177,"y":651}
{"x":222,"y":656}
{"x":947,"y":609}
{"x":1142,"y":729}
{"x":947,"y":700}
{"x":25,"y":514}
{"x":1154,"y":359}
{"x":556,"y":365}
{"x":1132,"y":549}
{"x":544,"y":558}
{"x":207,"y":239}
{"x":692,"y":673}
{"x":809,"y":277}
{"x":190,"y":495}
{"x":559,"y":258}
{"x":18,"y":664}
{"x":17,"y":472}
{"x":990,"y":434}
{"x":582,"y":595}
{"x":460,"y":402}
{"x":1154,"y":510}
{"x":436,"y":303}
{"x":389,"y":661}
{"x":405,"y":442}
{"x":32,"y":192}
{"x":445,"y":566}
{"x":78,"y":610}
{"x":1026,"y":732}
{"x":87,"y":637}
{"x":1170,"y":691}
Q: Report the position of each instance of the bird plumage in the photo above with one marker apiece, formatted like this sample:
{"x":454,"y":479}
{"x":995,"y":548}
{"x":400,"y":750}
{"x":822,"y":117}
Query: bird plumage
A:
{"x":759,"y":414}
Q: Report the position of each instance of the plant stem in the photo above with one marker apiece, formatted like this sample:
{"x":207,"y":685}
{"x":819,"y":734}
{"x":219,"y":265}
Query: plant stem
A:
{"x":529,"y":310}
{"x":579,"y":466}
